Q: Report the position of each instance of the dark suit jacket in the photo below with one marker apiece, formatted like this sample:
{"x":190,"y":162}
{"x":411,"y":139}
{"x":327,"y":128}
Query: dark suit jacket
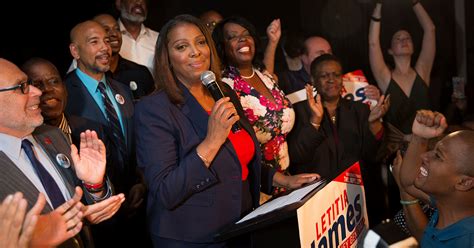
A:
{"x":317,"y":151}
{"x":187,"y":201}
{"x":128,"y":71}
{"x":53,"y":142}
{"x":120,"y":167}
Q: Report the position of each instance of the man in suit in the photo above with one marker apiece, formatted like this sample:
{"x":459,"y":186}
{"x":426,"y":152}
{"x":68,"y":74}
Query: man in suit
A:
{"x":105,"y":106}
{"x":136,"y":77}
{"x":37,"y":158}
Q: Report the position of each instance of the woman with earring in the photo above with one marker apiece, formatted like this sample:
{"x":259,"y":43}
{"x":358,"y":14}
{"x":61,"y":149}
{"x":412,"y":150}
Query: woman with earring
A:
{"x":264,"y":104}
{"x":201,"y":176}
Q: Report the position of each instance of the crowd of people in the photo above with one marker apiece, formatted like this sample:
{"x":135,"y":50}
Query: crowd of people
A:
{"x":130,"y":148}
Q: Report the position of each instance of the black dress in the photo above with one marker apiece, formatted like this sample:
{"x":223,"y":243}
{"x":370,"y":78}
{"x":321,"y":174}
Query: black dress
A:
{"x":402,"y":111}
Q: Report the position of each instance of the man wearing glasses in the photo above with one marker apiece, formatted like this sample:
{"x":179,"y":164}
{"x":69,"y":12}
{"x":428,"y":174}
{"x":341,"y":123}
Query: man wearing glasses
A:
{"x":37,"y":160}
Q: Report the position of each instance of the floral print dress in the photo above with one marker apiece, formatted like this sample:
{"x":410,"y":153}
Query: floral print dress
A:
{"x":272,"y":121}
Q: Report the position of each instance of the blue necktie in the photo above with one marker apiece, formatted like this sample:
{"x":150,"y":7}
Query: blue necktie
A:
{"x":114,"y":122}
{"x":52,"y":189}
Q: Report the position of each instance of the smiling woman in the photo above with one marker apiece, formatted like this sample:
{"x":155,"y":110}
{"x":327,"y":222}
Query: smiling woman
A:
{"x":265,"y":105}
{"x":193,"y":164}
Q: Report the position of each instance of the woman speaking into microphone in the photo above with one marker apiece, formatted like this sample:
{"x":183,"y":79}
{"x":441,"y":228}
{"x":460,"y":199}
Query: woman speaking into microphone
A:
{"x":201,"y":176}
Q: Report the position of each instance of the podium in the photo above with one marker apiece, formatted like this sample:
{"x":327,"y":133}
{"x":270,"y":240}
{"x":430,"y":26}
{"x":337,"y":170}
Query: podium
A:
{"x":326,"y":215}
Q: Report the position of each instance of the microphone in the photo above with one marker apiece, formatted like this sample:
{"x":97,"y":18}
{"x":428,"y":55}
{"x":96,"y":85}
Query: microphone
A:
{"x":208,"y":78}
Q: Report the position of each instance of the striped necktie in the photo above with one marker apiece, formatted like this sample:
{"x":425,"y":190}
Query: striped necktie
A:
{"x":114,"y":122}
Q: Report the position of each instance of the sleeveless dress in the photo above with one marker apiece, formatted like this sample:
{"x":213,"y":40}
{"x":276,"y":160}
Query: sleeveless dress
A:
{"x":402,"y":111}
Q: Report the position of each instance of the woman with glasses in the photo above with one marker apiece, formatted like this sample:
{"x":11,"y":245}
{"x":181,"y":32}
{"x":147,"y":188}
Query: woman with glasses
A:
{"x":331,"y":133}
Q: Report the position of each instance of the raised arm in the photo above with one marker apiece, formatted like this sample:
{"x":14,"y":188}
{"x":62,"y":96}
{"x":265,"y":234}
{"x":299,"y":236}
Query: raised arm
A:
{"x":414,"y":215}
{"x":427,"y":125}
{"x":424,"y":64}
{"x":273,"y":34}
{"x":380,"y":70}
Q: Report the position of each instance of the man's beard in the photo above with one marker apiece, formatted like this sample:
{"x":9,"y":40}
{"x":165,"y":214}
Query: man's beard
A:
{"x":133,"y":18}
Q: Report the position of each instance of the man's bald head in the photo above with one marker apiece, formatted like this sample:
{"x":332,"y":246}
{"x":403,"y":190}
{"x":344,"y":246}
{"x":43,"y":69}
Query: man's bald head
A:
{"x":314,"y":47}
{"x":461,"y":145}
{"x":78,"y":31}
{"x":9,"y":73}
{"x":90,"y":46}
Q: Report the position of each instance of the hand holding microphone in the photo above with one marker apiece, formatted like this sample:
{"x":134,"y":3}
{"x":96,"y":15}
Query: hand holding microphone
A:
{"x":208,"y":78}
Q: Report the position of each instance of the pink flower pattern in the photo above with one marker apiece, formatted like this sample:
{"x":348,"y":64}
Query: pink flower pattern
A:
{"x":270,"y":122}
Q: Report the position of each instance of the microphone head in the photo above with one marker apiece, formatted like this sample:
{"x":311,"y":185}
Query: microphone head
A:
{"x":208,"y":77}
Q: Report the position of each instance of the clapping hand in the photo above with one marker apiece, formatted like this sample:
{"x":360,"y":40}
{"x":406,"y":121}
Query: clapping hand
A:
{"x":315,"y":105}
{"x":61,"y":224}
{"x":103,"y":210}
{"x":90,"y":164}
{"x":429,"y":124}
{"x":380,"y":109}
{"x":16,"y":228}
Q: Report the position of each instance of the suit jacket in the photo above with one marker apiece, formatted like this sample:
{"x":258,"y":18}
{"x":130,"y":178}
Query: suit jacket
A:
{"x":120,"y":167}
{"x":186,"y":200}
{"x":320,"y":151}
{"x":128,"y":71}
{"x":53,"y":142}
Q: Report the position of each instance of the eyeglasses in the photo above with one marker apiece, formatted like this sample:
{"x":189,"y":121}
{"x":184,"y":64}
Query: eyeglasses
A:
{"x":211,"y":24}
{"x":23,"y":86}
{"x":326,"y":76}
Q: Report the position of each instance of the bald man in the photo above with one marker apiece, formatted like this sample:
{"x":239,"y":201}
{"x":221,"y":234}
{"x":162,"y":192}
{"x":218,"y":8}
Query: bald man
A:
{"x":292,"y":81}
{"x":134,"y":76}
{"x":443,"y":177}
{"x":107,"y":107}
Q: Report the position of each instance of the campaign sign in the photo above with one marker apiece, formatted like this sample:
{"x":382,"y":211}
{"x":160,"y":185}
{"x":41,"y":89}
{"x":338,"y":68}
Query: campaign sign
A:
{"x":353,"y":87}
{"x":336,"y":215}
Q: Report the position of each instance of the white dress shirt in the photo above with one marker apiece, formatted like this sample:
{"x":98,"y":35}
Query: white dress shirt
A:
{"x":141,"y":50}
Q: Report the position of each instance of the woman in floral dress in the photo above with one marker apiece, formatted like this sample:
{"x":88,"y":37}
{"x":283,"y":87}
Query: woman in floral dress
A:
{"x":265,"y":105}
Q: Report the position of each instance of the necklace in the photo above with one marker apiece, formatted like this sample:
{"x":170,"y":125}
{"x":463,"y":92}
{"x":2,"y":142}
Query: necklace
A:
{"x":333,"y":119}
{"x":247,"y":77}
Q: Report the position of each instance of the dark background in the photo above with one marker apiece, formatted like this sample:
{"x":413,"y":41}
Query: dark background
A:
{"x":41,"y":28}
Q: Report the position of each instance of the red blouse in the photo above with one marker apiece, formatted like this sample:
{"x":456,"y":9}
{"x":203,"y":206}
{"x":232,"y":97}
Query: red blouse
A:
{"x":244,"y":147}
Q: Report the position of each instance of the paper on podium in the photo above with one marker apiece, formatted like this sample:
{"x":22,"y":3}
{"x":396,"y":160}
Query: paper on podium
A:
{"x":282,"y":201}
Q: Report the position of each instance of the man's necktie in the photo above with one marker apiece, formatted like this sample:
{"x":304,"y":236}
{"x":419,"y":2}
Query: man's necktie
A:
{"x":114,"y":122}
{"x":52,"y":189}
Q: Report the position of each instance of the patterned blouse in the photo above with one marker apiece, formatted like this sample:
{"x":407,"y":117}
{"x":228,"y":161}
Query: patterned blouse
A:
{"x":271,"y":121}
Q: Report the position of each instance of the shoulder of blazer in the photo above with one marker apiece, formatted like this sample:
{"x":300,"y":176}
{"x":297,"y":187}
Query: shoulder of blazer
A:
{"x":13,"y":180}
{"x":54,"y":143}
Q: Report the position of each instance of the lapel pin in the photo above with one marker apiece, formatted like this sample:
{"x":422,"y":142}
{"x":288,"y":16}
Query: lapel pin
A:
{"x":133,"y":85}
{"x":63,"y":160}
{"x":119,"y":99}
{"x":48,"y":141}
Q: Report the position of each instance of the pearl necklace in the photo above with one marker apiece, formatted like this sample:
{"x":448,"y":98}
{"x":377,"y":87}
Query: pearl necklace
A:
{"x":247,"y":77}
